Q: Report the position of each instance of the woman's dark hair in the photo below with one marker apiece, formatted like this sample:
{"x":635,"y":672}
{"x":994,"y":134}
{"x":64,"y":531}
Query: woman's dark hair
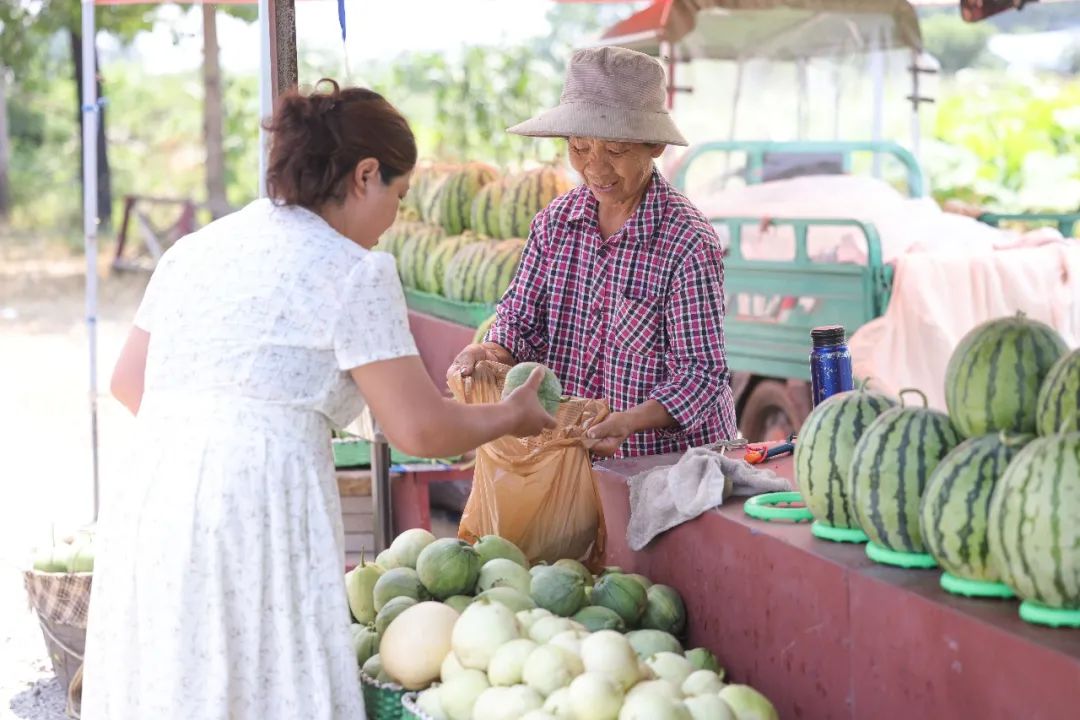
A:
{"x":317,"y":140}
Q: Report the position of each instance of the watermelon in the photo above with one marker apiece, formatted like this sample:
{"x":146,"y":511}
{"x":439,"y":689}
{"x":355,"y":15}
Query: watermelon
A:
{"x":1058,"y":406}
{"x":435,"y":268}
{"x":482,"y":331}
{"x":823,"y":454}
{"x":550,"y":391}
{"x":485,"y":210}
{"x":890,"y":467}
{"x":457,"y":192}
{"x":426,"y":189}
{"x":1034,"y":529}
{"x":415,"y":251}
{"x":526,"y":194}
{"x":993,"y":377}
{"x":459,"y":280}
{"x":497,"y":269}
{"x":956,"y":504}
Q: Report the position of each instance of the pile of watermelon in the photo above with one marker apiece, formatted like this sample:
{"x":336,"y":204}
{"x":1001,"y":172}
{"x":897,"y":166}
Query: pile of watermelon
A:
{"x":460,"y":232}
{"x":990,"y":490}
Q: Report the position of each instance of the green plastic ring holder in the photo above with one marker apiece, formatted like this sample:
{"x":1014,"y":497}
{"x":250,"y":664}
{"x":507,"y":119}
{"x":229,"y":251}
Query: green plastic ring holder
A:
{"x":910,"y":561}
{"x":823,"y":531}
{"x":763,"y":507}
{"x":975,"y":588}
{"x":1038,"y":614}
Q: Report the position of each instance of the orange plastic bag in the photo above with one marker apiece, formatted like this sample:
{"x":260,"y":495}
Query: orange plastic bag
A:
{"x":539,"y":492}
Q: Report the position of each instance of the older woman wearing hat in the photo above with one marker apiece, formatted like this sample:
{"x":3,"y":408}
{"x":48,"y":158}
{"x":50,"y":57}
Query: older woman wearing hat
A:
{"x":620,"y":290}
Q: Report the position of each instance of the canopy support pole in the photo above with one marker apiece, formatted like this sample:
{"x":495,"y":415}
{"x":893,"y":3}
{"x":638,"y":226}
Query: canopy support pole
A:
{"x":90,"y":114}
{"x":278,"y":69}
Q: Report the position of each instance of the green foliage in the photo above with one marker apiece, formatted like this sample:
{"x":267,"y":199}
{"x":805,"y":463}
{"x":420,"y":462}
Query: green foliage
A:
{"x":955,"y":43}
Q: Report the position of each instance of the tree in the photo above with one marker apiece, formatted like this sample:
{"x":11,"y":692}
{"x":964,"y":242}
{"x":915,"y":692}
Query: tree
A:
{"x":28,"y":25}
{"x":955,"y":43}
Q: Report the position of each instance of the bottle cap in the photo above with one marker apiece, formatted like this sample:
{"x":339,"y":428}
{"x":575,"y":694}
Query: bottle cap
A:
{"x":827,"y":335}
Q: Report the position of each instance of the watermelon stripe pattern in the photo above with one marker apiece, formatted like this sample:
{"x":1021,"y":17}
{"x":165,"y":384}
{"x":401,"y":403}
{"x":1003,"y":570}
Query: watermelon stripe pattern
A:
{"x":823,"y":454}
{"x":527,"y":194}
{"x":456,"y":195}
{"x":444,"y":251}
{"x":1058,"y":407}
{"x":414,"y":253}
{"x":485,"y":210}
{"x":994,"y":375}
{"x":1034,"y":527}
{"x":956,"y":507}
{"x":890,"y":467}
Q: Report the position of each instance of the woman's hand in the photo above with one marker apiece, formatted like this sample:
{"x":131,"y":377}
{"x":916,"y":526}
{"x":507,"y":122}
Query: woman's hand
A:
{"x":465,"y":362}
{"x":529,"y":416}
{"x":611,"y":433}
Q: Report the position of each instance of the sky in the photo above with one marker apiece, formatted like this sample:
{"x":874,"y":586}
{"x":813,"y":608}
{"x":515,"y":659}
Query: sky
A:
{"x":375,"y":30}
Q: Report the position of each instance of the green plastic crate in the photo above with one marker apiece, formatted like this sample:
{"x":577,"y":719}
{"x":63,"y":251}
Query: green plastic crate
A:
{"x":357,"y":453}
{"x":467,"y":314}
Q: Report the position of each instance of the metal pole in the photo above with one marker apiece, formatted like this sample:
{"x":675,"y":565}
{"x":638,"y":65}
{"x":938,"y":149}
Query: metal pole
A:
{"x":90,"y":109}
{"x":877,"y":73}
{"x":381,"y":499}
{"x":916,"y":102}
{"x":266,"y":100}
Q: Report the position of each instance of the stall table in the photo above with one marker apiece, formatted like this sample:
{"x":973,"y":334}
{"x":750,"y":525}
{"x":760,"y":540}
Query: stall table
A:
{"x":827,"y":633}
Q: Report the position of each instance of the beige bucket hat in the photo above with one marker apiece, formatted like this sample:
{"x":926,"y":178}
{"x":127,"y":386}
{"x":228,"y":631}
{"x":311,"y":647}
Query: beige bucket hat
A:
{"x":610,"y":93}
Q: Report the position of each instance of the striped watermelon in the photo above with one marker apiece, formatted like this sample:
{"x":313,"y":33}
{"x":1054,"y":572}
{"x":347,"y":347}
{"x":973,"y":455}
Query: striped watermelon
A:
{"x":420,"y":185}
{"x":497,"y":270}
{"x":1034,"y":527}
{"x":1058,"y":407}
{"x":993,"y":377}
{"x":890,"y":467}
{"x":527,"y":194}
{"x":392,"y":240}
{"x":435,"y":268}
{"x":823,"y":454}
{"x":459,"y":281}
{"x":956,"y":506}
{"x":415,"y":250}
{"x":457,"y":193}
{"x":485,"y":210}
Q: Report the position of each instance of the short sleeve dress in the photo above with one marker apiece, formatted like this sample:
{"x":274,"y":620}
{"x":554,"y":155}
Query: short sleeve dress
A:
{"x":219,"y":590}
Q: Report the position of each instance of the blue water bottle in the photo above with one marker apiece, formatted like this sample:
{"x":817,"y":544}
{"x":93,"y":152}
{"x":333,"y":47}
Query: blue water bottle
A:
{"x":830,"y":362}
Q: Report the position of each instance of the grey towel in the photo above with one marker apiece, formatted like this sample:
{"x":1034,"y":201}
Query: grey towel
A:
{"x":702,"y":479}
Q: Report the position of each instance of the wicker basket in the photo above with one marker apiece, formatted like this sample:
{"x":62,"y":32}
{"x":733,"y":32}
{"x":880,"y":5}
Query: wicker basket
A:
{"x":62,"y":602}
{"x":382,"y":701}
{"x":409,"y":710}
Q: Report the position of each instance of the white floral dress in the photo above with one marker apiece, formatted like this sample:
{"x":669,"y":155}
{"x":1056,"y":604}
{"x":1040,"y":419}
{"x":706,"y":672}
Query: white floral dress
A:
{"x":219,"y":592}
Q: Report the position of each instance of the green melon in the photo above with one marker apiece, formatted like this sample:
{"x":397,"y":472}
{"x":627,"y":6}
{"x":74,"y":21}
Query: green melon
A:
{"x":457,"y":193}
{"x":1034,"y":527}
{"x":558,"y":590}
{"x":647,"y":643}
{"x":365,"y":642}
{"x":435,"y":268}
{"x":485,"y":210}
{"x":623,"y":594}
{"x":1058,"y":406}
{"x":490,"y":547}
{"x":956,"y":504}
{"x":448,"y":567}
{"x":703,"y":659}
{"x":823,"y":454}
{"x":398,"y":582}
{"x":577,"y":567}
{"x":596,"y":618}
{"x":550,"y":391}
{"x":993,"y":378}
{"x":525,"y":195}
{"x":459,"y":280}
{"x":890,"y":467}
{"x":664,"y":610}
{"x":390,"y":611}
{"x":510,"y":597}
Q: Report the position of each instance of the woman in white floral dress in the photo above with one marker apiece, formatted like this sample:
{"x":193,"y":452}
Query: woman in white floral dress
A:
{"x":219,"y":593}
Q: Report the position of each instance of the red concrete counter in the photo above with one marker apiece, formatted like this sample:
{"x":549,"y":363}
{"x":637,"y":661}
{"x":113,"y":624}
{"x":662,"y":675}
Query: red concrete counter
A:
{"x":826,"y":633}
{"x":439,"y":342}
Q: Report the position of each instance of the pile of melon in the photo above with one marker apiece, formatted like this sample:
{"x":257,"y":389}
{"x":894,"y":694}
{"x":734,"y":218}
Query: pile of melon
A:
{"x":484,"y":636}
{"x":991,"y":490}
{"x":460,"y":231}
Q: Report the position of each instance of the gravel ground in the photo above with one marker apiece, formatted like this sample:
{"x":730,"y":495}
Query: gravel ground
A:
{"x":45,"y":445}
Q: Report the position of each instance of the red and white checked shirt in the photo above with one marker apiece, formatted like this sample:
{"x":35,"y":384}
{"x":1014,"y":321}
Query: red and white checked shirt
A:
{"x":638,"y":316}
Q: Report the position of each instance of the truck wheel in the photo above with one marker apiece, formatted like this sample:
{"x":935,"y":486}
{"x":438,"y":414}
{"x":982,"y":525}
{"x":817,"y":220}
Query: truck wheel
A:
{"x":770,"y":413}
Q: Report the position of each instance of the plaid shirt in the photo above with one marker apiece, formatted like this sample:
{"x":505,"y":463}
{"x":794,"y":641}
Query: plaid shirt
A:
{"x":638,"y":316}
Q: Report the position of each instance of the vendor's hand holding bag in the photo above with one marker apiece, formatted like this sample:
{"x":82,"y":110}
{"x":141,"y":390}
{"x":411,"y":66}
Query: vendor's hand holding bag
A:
{"x":539,"y":492}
